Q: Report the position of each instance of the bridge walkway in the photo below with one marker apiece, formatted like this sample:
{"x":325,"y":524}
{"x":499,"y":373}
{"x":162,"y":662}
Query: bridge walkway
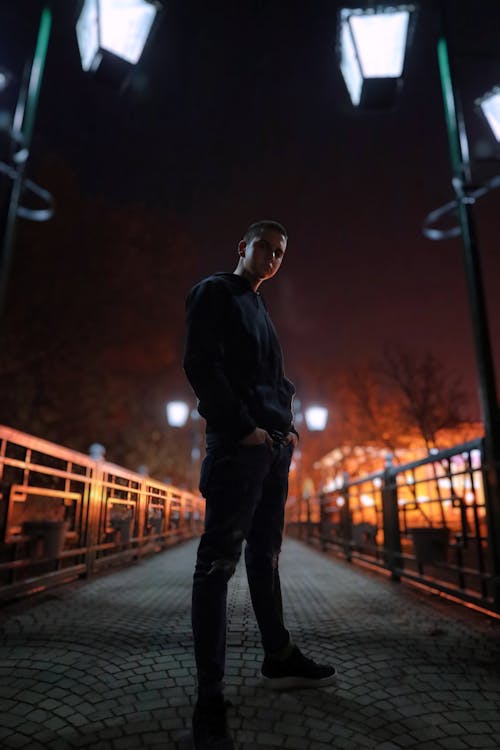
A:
{"x":107,"y":663}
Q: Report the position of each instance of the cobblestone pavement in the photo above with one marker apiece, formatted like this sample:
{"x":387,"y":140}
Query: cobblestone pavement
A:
{"x":107,"y":664}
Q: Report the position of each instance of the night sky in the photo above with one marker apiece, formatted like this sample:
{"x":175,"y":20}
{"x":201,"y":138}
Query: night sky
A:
{"x":236,"y":112}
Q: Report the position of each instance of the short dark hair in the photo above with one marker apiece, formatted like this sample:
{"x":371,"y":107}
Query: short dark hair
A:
{"x":258,"y":226}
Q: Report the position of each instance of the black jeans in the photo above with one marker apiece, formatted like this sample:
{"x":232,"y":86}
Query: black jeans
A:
{"x":245,"y":489}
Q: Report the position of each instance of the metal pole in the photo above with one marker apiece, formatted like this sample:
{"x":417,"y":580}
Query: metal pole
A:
{"x":390,"y":517}
{"x":24,"y":120}
{"x":308,"y":510}
{"x":298,"y":484}
{"x":459,"y":153}
{"x":195,"y":448}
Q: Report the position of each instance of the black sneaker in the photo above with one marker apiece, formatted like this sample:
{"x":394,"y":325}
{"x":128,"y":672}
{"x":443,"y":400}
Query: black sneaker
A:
{"x":210,"y":731}
{"x":295,"y":671}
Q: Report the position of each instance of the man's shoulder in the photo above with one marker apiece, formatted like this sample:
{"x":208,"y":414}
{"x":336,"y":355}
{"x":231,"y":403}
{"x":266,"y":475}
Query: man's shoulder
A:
{"x":216,"y":281}
{"x":214,"y":293}
{"x":219,"y":277}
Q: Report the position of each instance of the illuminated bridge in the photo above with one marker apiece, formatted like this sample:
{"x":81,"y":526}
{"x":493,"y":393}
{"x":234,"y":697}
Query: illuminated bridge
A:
{"x":99,"y":654}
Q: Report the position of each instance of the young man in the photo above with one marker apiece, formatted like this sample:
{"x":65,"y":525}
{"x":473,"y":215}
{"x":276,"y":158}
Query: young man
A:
{"x":234,"y":363}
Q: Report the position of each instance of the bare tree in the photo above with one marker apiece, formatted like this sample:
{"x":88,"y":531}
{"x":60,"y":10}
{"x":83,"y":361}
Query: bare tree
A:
{"x":369,"y":413}
{"x":430,"y":397}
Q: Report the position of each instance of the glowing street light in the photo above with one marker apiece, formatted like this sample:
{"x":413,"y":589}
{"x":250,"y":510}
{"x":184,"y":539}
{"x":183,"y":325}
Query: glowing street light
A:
{"x":177,"y":413}
{"x":490,"y":107}
{"x":316,"y":418}
{"x":117,"y":27}
{"x":372,"y":45}
{"x":5,"y":79}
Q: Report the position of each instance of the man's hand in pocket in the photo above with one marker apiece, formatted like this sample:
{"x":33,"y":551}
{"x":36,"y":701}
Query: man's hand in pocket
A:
{"x":258,"y":437}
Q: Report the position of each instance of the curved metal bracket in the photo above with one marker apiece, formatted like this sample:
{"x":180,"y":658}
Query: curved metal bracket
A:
{"x":32,"y":214}
{"x":466,"y":195}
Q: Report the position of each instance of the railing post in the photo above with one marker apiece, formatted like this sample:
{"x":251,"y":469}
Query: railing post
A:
{"x":96,"y":503}
{"x":490,"y":501}
{"x":5,"y":490}
{"x":390,"y":514}
{"x":308,"y":527}
{"x":142,"y":510}
{"x":345,"y":519}
{"x":322,"y":522}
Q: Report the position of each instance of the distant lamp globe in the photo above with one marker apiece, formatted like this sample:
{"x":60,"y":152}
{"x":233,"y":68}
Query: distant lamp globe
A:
{"x":177,"y":413}
{"x":97,"y":451}
{"x":115,"y":27}
{"x":371,"y":47}
{"x":5,"y":79}
{"x":316,"y":418}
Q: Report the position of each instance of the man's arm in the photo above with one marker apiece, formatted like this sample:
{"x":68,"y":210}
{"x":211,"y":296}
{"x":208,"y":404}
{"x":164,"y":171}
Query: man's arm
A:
{"x":207,"y":310}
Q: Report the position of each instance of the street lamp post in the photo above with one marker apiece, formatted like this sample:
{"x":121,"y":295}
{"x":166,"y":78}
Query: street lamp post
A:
{"x":315,"y":418}
{"x":178,"y":414}
{"x":464,"y":201}
{"x":459,"y":153}
{"x":113,"y":28}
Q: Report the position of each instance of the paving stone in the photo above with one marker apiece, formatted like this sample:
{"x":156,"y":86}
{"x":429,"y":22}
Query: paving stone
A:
{"x":429,"y":733}
{"x":478,"y":727}
{"x":10,"y":720}
{"x":127,"y":743}
{"x":55,"y":723}
{"x":17,"y":740}
{"x":452,"y":743}
{"x":284,"y":727}
{"x":268,"y":738}
{"x":482,"y":740}
{"x":299,"y":743}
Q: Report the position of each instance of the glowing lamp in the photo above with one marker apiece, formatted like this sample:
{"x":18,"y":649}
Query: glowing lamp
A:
{"x":372,"y":44}
{"x":490,"y":107}
{"x":97,"y":451}
{"x":367,"y":500}
{"x":177,"y":413}
{"x":5,"y":79}
{"x":117,"y":27}
{"x":316,"y":418}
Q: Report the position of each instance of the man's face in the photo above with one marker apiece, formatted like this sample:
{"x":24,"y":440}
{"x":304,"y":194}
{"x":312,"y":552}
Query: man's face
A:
{"x":263,"y":255}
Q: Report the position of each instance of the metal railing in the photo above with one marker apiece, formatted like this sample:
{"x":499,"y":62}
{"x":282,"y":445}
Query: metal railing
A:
{"x":427,"y":521}
{"x":65,"y":515}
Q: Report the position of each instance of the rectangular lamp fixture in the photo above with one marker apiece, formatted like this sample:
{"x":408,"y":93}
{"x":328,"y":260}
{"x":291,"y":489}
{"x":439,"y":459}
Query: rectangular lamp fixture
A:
{"x":490,"y":107}
{"x":372,"y":45}
{"x":118,"y":27}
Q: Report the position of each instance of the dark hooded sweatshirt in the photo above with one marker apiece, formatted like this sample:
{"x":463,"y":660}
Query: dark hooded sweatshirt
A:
{"x":233,"y":359}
